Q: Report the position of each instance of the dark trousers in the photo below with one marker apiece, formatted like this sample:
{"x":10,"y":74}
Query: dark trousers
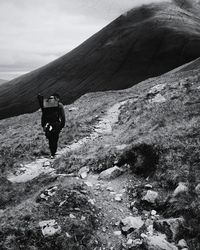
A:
{"x":53,"y":142}
{"x":52,"y":133}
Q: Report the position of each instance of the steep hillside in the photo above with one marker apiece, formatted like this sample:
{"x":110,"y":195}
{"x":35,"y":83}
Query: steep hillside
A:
{"x":146,"y":41}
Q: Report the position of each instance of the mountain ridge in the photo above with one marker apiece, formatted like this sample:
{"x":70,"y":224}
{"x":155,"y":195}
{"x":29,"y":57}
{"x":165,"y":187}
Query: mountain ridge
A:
{"x":145,"y":42}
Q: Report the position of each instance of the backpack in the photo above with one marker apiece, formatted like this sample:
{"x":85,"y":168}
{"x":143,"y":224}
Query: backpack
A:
{"x":51,"y":110}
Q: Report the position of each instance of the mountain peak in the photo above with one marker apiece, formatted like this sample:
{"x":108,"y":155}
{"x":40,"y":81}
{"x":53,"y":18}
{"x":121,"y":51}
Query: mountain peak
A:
{"x":145,"y":42}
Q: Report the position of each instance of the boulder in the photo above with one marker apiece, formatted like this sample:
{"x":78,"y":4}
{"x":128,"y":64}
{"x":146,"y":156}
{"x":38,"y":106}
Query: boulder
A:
{"x":158,"y":242}
{"x":131,"y":223}
{"x":171,"y":227}
{"x":150,"y":196}
{"x":110,"y":173}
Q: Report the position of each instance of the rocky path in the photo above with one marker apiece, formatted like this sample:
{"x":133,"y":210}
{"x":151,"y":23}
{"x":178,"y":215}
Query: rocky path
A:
{"x":124,"y":225}
{"x":29,"y":171}
{"x":112,"y":200}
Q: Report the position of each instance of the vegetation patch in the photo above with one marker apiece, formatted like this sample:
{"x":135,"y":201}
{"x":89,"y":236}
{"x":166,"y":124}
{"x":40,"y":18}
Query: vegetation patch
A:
{"x":70,"y":207}
{"x":142,"y":158}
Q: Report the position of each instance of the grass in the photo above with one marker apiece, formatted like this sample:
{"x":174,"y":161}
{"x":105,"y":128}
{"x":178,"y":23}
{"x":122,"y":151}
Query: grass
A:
{"x":23,"y":139}
{"x":164,"y":136}
{"x":20,"y":230}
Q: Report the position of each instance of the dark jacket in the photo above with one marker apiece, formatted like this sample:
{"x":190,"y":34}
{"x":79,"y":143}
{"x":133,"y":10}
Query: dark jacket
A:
{"x":61,"y":113}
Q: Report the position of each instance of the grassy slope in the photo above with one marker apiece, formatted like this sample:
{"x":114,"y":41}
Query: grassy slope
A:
{"x":23,"y":139}
{"x":172,"y":127}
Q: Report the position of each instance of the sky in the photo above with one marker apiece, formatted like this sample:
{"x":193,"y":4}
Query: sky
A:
{"x":36,"y":32}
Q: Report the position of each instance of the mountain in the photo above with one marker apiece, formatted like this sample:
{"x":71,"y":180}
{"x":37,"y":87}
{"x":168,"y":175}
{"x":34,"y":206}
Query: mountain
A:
{"x":146,"y":41}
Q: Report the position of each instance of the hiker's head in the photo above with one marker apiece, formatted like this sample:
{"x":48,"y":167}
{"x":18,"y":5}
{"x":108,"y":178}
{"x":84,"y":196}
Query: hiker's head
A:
{"x":56,"y":95}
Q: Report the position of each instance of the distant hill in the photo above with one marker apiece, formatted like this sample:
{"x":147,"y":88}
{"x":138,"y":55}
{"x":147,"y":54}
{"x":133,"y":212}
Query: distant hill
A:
{"x":2,"y":81}
{"x":146,"y":41}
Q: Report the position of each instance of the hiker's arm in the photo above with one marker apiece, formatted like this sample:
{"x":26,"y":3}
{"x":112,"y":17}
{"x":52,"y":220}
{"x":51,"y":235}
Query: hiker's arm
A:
{"x":43,"y":120}
{"x":40,"y":100}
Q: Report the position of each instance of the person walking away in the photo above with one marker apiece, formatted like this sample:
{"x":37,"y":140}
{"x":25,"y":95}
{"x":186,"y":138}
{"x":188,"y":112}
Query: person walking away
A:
{"x":53,"y":119}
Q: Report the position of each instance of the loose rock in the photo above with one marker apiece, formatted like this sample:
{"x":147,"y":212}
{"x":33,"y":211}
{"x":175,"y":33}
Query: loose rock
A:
{"x":49,"y":227}
{"x":153,"y":212}
{"x":72,"y":216}
{"x":118,"y":197}
{"x":158,"y":98}
{"x":170,"y":227}
{"x":182,"y":188}
{"x":131,"y":223}
{"x":148,"y":186}
{"x":110,"y":173}
{"x":150,"y":197}
{"x":156,"y":89}
{"x":182,"y":244}
{"x":83,"y":172}
{"x":117,"y":233}
{"x":47,"y":193}
{"x":158,"y":242}
{"x":197,"y":189}
{"x":135,"y":211}
{"x":129,"y":242}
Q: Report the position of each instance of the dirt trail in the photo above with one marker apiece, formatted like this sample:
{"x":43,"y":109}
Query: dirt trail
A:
{"x":112,"y":210}
{"x":31,"y":170}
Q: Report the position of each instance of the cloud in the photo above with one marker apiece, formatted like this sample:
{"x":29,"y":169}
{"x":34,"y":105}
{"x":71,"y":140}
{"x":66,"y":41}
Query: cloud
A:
{"x":35,"y":32}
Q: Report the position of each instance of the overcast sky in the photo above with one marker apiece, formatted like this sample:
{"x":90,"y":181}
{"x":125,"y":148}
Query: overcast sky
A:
{"x":35,"y":32}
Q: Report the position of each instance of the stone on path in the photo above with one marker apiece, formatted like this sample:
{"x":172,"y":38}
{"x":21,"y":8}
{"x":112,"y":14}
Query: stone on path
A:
{"x":170,"y":227}
{"x":150,"y":196}
{"x":158,"y":242}
{"x":110,"y":173}
{"x":131,"y":223}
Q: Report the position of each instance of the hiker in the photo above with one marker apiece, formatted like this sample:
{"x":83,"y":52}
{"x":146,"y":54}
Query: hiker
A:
{"x":53,"y":119}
